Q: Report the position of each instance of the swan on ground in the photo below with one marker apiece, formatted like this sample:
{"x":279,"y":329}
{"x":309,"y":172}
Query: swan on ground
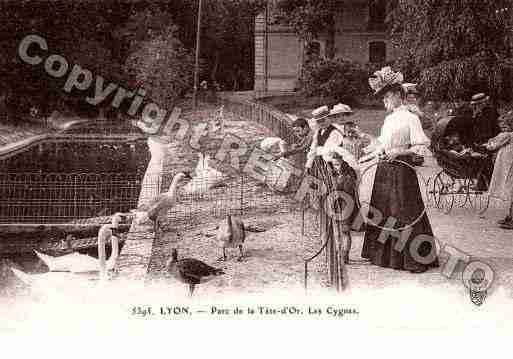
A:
{"x":205,"y":177}
{"x":268,"y":144}
{"x":162,"y":202}
{"x":54,"y":282}
{"x":81,"y":263}
{"x":190,"y":271}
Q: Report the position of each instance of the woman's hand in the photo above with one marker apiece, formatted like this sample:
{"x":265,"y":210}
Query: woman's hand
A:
{"x":390,"y":156}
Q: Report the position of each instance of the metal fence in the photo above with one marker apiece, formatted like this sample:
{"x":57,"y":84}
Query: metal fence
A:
{"x":277,"y":122}
{"x":63,"y":197}
{"x":28,"y":197}
{"x":240,"y":195}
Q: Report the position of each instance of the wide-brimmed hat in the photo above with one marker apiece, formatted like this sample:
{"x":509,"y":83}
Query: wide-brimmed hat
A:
{"x":410,"y":88}
{"x":479,"y":98}
{"x":320,"y":112}
{"x":385,"y":80}
{"x":341,"y":109}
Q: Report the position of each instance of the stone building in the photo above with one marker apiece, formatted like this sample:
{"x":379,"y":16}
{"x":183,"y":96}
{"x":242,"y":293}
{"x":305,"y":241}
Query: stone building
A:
{"x":360,"y":36}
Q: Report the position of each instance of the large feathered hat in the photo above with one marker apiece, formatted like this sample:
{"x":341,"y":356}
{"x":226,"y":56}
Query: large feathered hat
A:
{"x":385,"y":80}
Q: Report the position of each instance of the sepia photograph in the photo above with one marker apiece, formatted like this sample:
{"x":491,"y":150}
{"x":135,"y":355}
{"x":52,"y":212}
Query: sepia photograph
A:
{"x":349,"y":161}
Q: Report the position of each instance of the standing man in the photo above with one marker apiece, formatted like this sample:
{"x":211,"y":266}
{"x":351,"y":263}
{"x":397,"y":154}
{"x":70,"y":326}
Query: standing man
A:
{"x":485,"y":126}
{"x":304,"y":135}
{"x":332,"y":161}
{"x":485,"y":118}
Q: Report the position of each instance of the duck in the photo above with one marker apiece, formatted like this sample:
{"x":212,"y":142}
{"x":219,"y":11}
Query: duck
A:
{"x":163,"y":201}
{"x":190,"y":271}
{"x":80,"y":263}
{"x":231,"y":233}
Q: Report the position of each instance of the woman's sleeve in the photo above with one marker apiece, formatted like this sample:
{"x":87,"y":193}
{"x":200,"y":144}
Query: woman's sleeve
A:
{"x":499,"y":141}
{"x":418,"y":139}
{"x":385,"y":135}
{"x":417,"y":135}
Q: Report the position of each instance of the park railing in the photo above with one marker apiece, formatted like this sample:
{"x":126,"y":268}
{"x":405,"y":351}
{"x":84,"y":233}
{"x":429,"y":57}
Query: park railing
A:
{"x":278,"y":123}
{"x":64,"y":197}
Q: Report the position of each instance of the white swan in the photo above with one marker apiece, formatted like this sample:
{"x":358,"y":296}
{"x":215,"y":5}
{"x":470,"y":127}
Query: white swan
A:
{"x":205,"y":177}
{"x":269,"y":143}
{"x":81,"y":263}
{"x":162,"y":202}
{"x":55,"y":283}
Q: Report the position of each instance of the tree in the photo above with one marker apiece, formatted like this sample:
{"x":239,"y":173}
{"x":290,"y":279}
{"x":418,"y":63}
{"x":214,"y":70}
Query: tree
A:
{"x":158,"y":61}
{"x":311,"y":18}
{"x":227,"y":38}
{"x":454,"y":48}
{"x":79,"y":31}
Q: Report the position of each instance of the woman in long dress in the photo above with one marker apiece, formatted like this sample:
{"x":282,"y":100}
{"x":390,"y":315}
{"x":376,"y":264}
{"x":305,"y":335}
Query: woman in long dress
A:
{"x":403,"y":238}
{"x":501,"y":184}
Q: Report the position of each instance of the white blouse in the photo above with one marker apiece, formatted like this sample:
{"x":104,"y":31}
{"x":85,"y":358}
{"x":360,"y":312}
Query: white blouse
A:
{"x":402,"y":130}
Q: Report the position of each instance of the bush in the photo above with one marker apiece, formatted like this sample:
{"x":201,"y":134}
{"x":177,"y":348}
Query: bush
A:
{"x":344,"y":81}
{"x":163,"y":66}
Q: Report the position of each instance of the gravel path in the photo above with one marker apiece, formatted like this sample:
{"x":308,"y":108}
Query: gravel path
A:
{"x":276,"y":257}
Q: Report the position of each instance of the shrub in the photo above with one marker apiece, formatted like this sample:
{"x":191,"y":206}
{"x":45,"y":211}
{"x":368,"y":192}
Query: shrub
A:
{"x":163,"y":67}
{"x":344,"y":81}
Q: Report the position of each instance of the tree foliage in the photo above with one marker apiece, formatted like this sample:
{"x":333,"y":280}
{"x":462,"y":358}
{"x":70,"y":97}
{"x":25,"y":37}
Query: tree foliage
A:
{"x":227,"y":38}
{"x":158,"y":61}
{"x":68,"y":32}
{"x":454,"y":48}
{"x":308,"y":18}
{"x":340,"y":80}
{"x":311,"y":18}
{"x":118,"y":39}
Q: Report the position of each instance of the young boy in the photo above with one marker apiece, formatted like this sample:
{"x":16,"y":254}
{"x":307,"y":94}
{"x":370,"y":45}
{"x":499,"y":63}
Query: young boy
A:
{"x":302,"y":131}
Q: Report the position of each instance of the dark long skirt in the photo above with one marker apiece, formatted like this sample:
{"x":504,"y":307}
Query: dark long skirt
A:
{"x":403,"y":238}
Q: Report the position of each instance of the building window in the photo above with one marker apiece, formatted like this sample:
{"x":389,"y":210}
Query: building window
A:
{"x":377,"y":51}
{"x":377,"y":15}
{"x":313,"y":49}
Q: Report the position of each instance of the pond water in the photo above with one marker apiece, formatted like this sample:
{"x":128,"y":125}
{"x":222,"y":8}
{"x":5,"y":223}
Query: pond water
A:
{"x":69,"y":156}
{"x":81,"y":173}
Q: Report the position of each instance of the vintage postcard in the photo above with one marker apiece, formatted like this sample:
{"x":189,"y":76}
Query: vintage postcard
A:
{"x":343,"y":161}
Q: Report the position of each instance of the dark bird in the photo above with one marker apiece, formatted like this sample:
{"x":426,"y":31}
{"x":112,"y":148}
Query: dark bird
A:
{"x":190,"y":271}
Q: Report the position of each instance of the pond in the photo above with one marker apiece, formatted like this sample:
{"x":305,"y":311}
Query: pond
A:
{"x":86,"y":171}
{"x":89,"y":170}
